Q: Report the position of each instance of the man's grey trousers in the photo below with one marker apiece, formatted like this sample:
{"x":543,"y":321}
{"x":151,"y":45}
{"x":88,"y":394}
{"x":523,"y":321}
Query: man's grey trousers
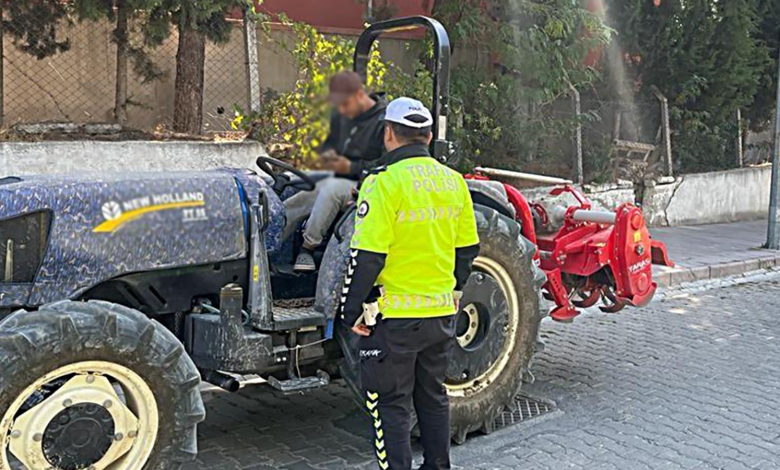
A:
{"x":331,"y":196}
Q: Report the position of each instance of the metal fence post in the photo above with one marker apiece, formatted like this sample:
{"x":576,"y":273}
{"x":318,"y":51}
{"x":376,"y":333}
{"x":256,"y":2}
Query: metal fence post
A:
{"x":773,"y":236}
{"x":252,"y":62}
{"x":740,"y":141}
{"x":666,"y":128}
{"x":578,"y":177}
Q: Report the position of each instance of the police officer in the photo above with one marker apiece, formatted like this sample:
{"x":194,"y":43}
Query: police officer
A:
{"x":414,"y":243}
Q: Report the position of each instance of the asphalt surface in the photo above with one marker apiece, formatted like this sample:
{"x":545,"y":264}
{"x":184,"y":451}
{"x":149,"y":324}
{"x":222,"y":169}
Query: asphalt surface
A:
{"x":689,"y":382}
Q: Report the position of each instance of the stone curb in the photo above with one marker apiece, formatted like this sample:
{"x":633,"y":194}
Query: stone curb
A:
{"x":678,"y":276}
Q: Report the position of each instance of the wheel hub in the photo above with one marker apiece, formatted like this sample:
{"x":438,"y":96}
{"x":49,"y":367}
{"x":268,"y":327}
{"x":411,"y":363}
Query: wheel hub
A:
{"x":468,"y":325}
{"x":481,"y":330}
{"x":78,"y":437}
{"x":83,"y":424}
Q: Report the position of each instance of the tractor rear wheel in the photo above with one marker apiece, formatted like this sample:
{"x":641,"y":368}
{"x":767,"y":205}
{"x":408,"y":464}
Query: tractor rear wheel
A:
{"x":95,"y":385}
{"x":497,"y":326}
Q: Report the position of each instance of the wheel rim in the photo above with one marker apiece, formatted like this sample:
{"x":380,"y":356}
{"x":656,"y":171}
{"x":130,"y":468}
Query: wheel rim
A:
{"x":90,"y":415}
{"x":491,"y":313}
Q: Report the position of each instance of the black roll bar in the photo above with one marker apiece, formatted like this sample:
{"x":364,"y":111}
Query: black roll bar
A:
{"x":441,"y":69}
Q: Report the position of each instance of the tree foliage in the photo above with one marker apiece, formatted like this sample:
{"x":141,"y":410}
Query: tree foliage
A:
{"x":529,"y":54}
{"x":709,"y":58}
{"x":298,"y":120}
{"x":33,"y":26}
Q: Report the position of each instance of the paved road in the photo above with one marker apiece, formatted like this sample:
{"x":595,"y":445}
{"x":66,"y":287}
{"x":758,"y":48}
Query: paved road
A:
{"x":688,"y":383}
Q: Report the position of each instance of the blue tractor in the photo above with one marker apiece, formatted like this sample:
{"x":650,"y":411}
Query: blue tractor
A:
{"x":120,"y":293}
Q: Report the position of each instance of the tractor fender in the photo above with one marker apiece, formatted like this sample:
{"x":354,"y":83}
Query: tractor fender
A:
{"x":491,"y":194}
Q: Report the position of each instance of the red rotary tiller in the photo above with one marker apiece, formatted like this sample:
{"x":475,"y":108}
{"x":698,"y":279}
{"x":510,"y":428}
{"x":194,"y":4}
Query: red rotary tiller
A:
{"x":595,"y":255}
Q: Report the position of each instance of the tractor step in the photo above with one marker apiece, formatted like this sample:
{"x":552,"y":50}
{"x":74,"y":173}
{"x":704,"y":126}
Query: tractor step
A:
{"x":293,"y":318}
{"x":297,"y":385}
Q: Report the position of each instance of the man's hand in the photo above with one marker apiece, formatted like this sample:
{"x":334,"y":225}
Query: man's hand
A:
{"x":339,"y":165}
{"x":361,"y":330}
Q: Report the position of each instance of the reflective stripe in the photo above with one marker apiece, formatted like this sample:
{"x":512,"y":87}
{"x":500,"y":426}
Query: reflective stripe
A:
{"x":428,"y":213}
{"x":408,"y":301}
{"x":348,"y":279}
{"x":372,"y":403}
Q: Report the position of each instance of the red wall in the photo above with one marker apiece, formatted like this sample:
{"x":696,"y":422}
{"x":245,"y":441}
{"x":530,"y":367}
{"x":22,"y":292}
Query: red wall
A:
{"x":336,"y":14}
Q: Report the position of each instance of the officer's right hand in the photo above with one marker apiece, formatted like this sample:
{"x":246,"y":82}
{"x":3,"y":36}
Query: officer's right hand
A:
{"x":362,"y":330}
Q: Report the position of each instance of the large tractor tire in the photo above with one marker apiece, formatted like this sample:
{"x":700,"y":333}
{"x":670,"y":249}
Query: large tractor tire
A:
{"x":95,"y":385}
{"x":497,"y":326}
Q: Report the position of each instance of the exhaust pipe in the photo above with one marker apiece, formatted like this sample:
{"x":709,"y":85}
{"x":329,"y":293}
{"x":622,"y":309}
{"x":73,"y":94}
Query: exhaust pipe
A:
{"x":223,"y":381}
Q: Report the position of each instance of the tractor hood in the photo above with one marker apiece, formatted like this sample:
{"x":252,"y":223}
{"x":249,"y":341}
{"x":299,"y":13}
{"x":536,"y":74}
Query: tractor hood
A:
{"x":95,"y":227}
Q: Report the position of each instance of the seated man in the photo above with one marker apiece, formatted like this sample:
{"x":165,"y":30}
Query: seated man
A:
{"x":354,"y":144}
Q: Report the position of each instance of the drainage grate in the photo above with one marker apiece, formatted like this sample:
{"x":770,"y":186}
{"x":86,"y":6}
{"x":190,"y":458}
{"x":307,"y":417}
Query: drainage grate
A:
{"x":526,"y":408}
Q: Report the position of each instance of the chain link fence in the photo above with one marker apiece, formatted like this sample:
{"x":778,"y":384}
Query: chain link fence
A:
{"x":61,"y":67}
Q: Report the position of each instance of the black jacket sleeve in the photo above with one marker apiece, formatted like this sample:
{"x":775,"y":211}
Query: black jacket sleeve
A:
{"x":464,"y":259}
{"x":373,"y":151}
{"x":362,"y":272}
{"x":332,"y":141}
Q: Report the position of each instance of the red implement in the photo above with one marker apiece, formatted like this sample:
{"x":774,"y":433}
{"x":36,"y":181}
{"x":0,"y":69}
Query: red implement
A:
{"x":594,"y":255}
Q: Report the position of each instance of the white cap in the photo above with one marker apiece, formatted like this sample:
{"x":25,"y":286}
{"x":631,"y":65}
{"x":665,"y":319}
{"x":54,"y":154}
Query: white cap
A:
{"x":401,"y":110}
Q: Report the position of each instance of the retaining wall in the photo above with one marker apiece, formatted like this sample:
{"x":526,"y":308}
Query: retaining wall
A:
{"x":708,"y":198}
{"x":70,"y":157}
{"x":723,"y":196}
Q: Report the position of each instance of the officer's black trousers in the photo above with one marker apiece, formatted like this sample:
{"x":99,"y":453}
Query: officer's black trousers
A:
{"x":403,"y":364}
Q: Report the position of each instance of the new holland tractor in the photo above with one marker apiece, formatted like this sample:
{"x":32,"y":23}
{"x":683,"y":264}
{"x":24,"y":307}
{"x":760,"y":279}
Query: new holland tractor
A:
{"x":120,"y":293}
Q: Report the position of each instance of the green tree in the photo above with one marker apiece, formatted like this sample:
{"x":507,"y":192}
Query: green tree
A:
{"x":531,"y":53}
{"x":197,"y":21}
{"x":761,"y":112}
{"x":121,"y":13}
{"x":705,"y":56}
{"x":32,"y":26}
{"x":297,"y":121}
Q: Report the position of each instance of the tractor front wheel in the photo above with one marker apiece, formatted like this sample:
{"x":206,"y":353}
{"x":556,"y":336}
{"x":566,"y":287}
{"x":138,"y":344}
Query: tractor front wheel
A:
{"x":94,"y":385}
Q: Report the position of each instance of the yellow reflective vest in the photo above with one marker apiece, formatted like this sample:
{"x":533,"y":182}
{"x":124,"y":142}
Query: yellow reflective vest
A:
{"x":417,"y":212}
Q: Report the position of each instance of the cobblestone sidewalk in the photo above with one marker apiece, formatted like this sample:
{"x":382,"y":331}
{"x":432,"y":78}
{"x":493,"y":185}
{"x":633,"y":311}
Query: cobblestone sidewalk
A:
{"x":687,"y":383}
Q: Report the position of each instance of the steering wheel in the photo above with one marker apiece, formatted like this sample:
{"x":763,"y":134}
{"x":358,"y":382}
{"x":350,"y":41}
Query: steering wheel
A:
{"x":271,"y":167}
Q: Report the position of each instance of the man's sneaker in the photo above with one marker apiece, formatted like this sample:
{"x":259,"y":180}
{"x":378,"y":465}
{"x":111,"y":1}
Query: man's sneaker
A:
{"x":305,"y":262}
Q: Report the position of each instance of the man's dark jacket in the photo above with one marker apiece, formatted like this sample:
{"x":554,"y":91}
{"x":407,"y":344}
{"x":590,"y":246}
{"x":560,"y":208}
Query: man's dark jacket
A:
{"x":361,"y":140}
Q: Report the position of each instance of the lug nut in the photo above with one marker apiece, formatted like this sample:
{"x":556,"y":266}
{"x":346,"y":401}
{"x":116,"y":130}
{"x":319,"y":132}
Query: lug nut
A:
{"x":119,"y":436}
{"x":67,"y":403}
{"x":132,"y":434}
{"x":90,"y":378}
{"x":16,"y":434}
{"x":107,"y":404}
{"x":38,"y":437}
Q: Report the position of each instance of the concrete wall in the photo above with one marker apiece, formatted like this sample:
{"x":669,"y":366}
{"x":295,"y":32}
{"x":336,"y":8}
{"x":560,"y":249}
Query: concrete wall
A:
{"x":18,"y":159}
{"x":703,"y":198}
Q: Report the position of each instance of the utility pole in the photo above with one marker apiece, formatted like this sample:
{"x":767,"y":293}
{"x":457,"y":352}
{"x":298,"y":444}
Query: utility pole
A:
{"x":254,"y":97}
{"x":2,"y":59}
{"x":740,"y":141}
{"x":773,"y":237}
{"x":578,"y":178}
